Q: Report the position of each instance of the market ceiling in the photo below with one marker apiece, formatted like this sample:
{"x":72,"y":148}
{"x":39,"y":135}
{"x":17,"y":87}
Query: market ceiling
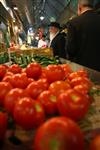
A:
{"x":37,"y":12}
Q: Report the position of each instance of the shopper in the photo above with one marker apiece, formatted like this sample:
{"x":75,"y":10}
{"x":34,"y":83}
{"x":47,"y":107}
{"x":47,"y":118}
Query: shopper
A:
{"x":84,"y":36}
{"x":57,"y":40}
{"x":42,"y":42}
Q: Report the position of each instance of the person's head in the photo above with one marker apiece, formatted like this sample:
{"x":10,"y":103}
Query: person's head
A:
{"x":54,"y":27}
{"x":84,"y":5}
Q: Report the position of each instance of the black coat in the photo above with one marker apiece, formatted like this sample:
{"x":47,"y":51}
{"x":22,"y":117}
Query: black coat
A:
{"x":58,"y":45}
{"x":84,"y":39}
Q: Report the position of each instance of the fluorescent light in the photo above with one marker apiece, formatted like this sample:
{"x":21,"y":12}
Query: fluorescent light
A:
{"x":41,"y":17}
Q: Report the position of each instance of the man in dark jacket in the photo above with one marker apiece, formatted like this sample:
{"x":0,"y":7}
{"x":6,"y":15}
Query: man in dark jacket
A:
{"x":84,"y":36}
{"x":57,"y":40}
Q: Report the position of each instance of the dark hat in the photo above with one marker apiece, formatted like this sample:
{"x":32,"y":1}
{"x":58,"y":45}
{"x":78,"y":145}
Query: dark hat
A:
{"x":55,"y":24}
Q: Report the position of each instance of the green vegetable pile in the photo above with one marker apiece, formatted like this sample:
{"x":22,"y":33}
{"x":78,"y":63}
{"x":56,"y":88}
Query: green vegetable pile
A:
{"x":23,"y":59}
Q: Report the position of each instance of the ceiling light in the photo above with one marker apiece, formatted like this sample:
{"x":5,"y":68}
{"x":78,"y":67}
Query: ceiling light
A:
{"x":16,"y":28}
{"x":15,"y":8}
{"x":14,"y":20}
{"x":7,"y":8}
{"x":41,"y":18}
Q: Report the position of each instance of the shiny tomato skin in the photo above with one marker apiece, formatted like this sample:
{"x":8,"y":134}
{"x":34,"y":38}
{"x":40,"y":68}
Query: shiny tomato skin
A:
{"x":82,"y":88}
{"x":7,"y":78}
{"x":73,"y":75}
{"x":43,"y":74}
{"x":11,"y":97}
{"x":67,"y":69}
{"x":30,"y":80}
{"x":79,"y":73}
{"x":3,"y":125}
{"x":54,"y":73}
{"x":48,"y":101}
{"x":82,"y":73}
{"x":59,"y":133}
{"x":8,"y":73}
{"x":40,"y":114}
{"x":34,"y":70}
{"x":19,"y":80}
{"x":73,"y":104}
{"x":95,"y":143}
{"x":81,"y":80}
{"x":44,"y":83}
{"x":58,"y":87}
{"x":5,"y":87}
{"x":24,"y":113}
{"x":2,"y":71}
{"x":15,"y":68}
{"x":34,"y":89}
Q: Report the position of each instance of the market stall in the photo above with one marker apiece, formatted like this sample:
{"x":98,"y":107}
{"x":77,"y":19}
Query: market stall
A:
{"x":17,"y":137}
{"x":46,"y":102}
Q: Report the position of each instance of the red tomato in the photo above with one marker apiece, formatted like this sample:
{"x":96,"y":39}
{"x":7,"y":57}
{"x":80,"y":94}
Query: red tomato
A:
{"x":44,"y":83}
{"x":11,"y":97}
{"x":43,"y":74}
{"x":79,"y":73}
{"x":73,"y":75}
{"x":7,"y":78}
{"x":81,"y":80}
{"x":73,"y":104}
{"x":34,"y":70}
{"x":19,"y":80}
{"x":54,"y":73}
{"x":23,"y":70}
{"x":95,"y":143}
{"x":6,"y":66}
{"x":40,"y":114}
{"x":30,"y":80}
{"x":24,"y":113}
{"x":67,"y":69}
{"x":5,"y":87}
{"x":2,"y":71}
{"x":58,"y":87}
{"x":82,"y":73}
{"x":8,"y":74}
{"x":15,"y":68}
{"x":34,"y":89}
{"x":3,"y":125}
{"x":59,"y":133}
{"x":49,"y":102}
{"x":82,"y":88}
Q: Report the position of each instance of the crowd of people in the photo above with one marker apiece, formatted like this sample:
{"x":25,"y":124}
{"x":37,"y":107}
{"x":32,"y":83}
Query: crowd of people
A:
{"x":81,"y":42}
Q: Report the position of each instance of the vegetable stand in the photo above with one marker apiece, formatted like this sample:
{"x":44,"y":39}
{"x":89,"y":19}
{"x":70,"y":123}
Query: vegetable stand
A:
{"x":90,"y":125}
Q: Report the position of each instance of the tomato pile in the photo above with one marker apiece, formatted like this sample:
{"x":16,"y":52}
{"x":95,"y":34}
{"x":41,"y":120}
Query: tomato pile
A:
{"x":32,"y":95}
